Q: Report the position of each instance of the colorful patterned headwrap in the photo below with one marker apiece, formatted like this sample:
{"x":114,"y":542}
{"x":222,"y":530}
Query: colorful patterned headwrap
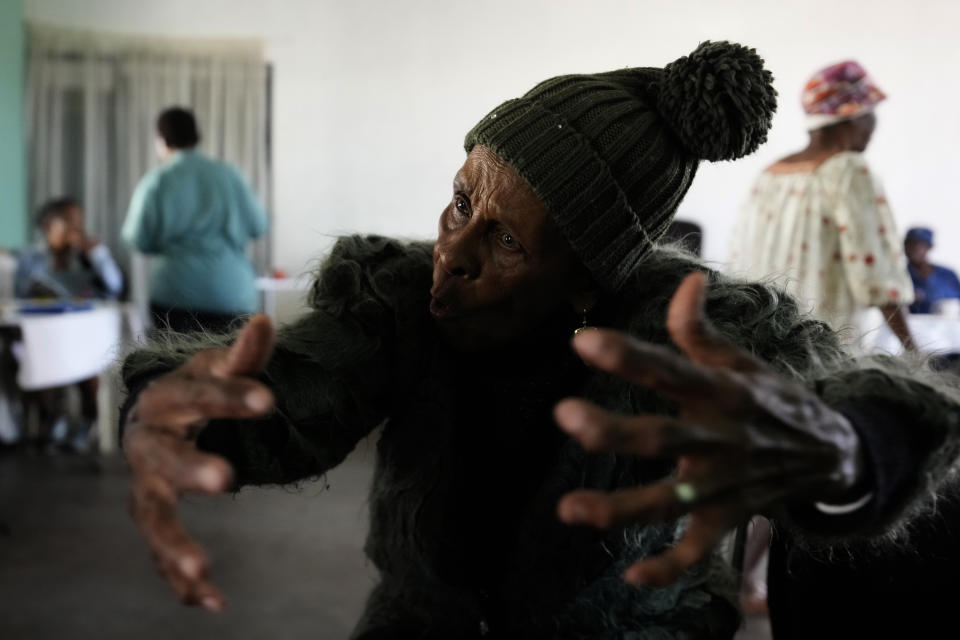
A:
{"x":842,"y":91}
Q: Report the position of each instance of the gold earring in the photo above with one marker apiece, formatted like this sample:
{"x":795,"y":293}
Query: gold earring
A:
{"x":582,"y":327}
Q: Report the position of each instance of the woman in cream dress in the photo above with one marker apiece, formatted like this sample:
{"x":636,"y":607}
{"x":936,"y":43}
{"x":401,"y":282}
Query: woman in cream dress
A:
{"x":818,"y":223}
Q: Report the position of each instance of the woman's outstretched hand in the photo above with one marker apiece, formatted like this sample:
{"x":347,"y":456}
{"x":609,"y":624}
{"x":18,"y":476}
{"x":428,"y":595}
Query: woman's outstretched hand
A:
{"x":160,"y":445}
{"x":745,"y":439}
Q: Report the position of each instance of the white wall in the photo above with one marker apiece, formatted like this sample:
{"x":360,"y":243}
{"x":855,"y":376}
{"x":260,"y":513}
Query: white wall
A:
{"x":372,"y":99}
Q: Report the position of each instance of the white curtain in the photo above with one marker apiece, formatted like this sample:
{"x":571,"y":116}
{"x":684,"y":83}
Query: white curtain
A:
{"x":92,"y":102}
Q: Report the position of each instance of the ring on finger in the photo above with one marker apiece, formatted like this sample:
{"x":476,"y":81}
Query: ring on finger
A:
{"x":685,"y":492}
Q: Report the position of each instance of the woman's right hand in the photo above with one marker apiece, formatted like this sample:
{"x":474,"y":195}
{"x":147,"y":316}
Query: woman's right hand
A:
{"x":160,"y":445}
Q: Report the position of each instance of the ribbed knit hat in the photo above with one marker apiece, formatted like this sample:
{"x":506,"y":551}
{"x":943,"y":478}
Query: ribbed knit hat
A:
{"x":612,"y":154}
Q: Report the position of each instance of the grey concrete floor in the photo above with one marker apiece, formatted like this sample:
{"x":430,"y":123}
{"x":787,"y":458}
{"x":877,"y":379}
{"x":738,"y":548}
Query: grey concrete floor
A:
{"x":72,"y":565}
{"x":289,"y":560}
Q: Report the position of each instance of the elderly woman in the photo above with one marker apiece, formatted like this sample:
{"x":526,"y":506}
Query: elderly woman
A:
{"x":461,"y":349}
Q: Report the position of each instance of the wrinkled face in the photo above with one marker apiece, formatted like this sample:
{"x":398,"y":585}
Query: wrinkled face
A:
{"x":916,"y":251}
{"x":500,"y":265}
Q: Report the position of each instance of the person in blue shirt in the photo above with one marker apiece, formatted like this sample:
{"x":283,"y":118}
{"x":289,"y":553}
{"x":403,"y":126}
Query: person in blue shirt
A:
{"x":66,"y":264}
{"x":932,"y":283}
{"x":195,"y":216}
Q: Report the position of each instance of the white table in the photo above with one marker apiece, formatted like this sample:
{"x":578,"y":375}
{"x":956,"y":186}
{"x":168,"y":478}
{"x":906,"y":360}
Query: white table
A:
{"x":270,"y":287}
{"x":63,"y":348}
{"x":932,"y":334}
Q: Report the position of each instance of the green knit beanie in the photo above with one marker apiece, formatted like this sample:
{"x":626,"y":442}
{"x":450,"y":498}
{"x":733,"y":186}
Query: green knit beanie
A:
{"x":612,"y":154}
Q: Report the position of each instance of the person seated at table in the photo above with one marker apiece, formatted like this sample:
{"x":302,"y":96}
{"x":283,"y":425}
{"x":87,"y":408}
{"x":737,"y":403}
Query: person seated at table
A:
{"x":66,"y":263}
{"x":936,"y":288}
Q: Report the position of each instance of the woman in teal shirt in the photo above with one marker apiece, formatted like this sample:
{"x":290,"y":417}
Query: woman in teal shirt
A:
{"x":195,"y":215}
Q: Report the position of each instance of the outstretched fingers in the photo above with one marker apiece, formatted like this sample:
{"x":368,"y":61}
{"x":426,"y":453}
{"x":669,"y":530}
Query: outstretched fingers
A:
{"x":177,"y":461}
{"x":661,"y":501}
{"x":649,"y":365}
{"x":177,"y":557}
{"x":178,"y":401}
{"x":651,"y":436}
{"x":251,"y":350}
{"x":160,"y":445}
{"x":701,"y":537}
{"x":655,"y":503}
{"x":692,"y":331}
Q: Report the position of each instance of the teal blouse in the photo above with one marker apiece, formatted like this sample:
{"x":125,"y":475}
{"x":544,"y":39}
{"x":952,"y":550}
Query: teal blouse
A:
{"x":196,"y":215}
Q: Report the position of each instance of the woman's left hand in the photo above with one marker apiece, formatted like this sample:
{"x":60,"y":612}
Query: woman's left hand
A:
{"x":746,"y":438}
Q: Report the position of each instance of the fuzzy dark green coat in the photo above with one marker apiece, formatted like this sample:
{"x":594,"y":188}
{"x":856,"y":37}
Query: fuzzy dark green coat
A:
{"x":470,"y":465}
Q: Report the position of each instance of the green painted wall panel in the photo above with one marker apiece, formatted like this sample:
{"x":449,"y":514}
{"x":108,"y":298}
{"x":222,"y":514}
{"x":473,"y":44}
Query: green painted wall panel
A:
{"x":13,"y":191}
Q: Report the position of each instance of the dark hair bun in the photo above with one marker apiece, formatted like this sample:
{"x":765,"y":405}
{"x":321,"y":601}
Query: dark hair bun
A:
{"x":719,"y":100}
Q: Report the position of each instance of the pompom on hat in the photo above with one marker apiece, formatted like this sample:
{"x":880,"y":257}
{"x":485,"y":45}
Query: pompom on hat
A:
{"x":612,"y":154}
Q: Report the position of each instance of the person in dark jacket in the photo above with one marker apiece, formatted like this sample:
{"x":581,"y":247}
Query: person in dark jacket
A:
{"x":460,"y":348}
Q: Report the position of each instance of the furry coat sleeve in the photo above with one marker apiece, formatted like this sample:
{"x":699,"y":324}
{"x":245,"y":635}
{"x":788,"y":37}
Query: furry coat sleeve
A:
{"x":907,"y":415}
{"x":334,"y":371}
